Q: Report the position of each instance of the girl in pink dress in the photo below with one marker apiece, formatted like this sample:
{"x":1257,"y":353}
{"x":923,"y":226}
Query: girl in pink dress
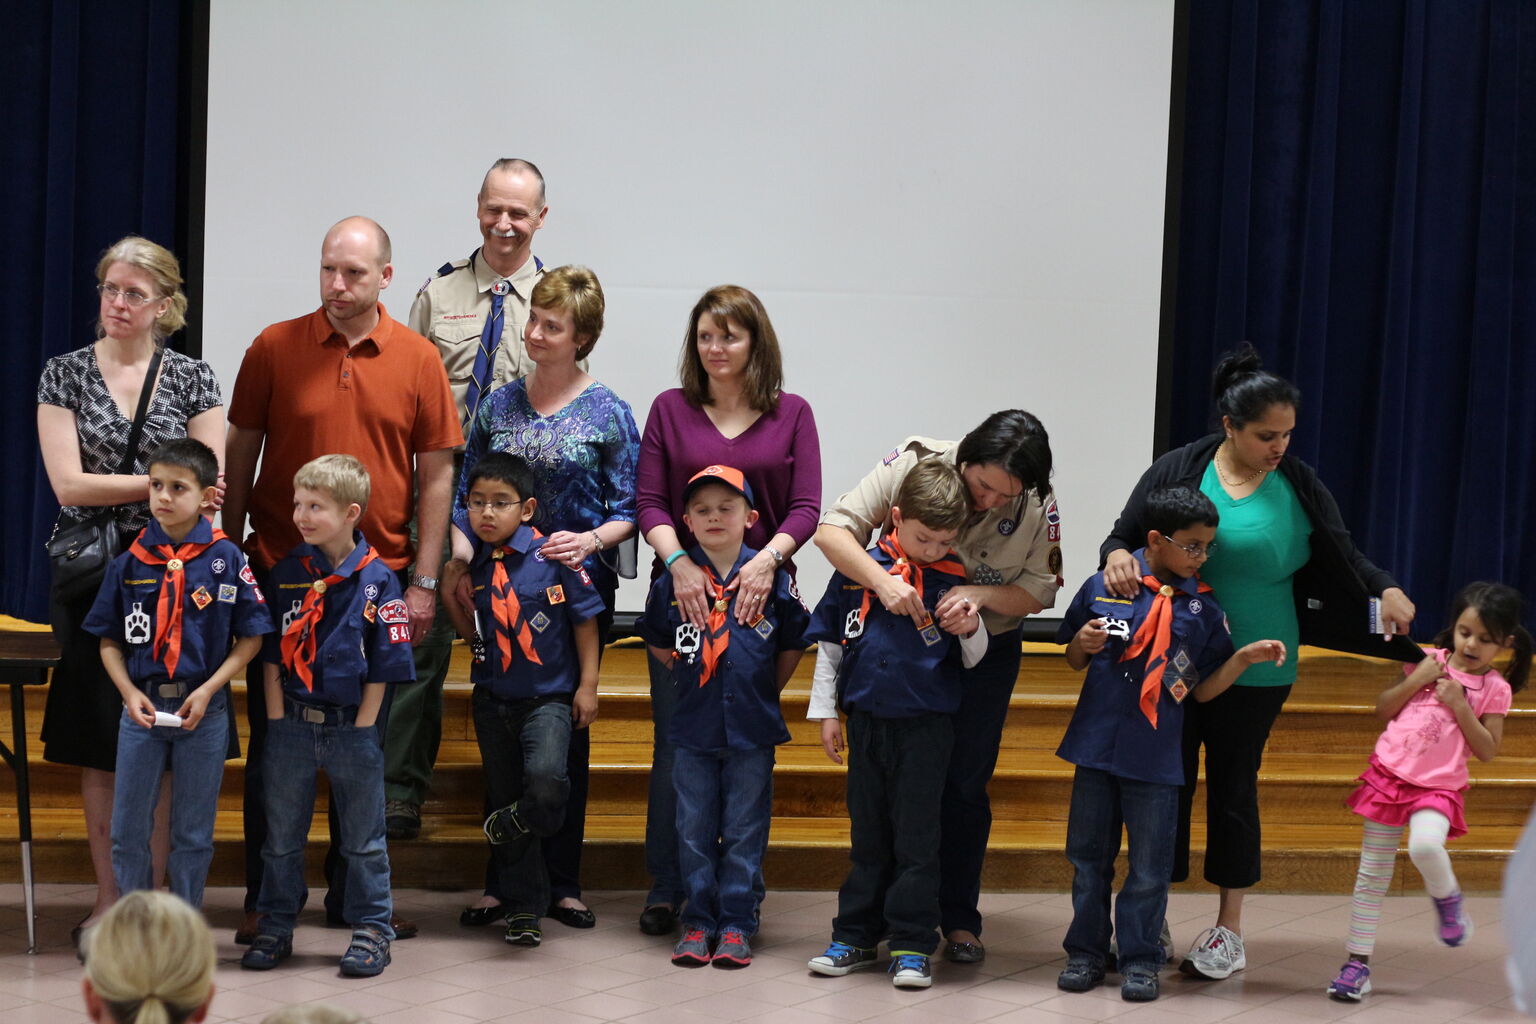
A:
{"x":1448,"y":708}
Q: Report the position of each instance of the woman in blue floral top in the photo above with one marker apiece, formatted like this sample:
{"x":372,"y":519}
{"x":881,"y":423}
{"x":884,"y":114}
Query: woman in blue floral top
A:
{"x":581,"y":441}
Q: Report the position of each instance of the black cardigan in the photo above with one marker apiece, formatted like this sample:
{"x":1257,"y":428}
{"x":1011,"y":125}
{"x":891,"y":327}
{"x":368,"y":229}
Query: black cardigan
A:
{"x":1331,"y":590}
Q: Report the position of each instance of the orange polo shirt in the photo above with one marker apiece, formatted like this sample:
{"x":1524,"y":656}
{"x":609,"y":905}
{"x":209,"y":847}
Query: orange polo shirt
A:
{"x":383,"y":400}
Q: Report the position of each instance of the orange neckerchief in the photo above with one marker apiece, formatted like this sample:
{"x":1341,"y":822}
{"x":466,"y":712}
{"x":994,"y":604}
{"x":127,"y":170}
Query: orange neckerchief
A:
{"x":1156,"y":630}
{"x":508,"y":611}
{"x":173,"y":587}
{"x":717,"y":628}
{"x":910,"y":572}
{"x":298,"y":642}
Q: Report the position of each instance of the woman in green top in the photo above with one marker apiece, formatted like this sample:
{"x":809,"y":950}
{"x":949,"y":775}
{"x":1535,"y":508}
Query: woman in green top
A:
{"x":1283,"y":566}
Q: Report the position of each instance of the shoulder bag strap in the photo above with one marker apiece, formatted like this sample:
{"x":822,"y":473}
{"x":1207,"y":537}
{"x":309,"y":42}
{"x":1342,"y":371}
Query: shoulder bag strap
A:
{"x":130,"y":453}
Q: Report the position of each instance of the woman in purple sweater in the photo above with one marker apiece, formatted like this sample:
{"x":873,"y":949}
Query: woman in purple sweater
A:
{"x":730,"y":410}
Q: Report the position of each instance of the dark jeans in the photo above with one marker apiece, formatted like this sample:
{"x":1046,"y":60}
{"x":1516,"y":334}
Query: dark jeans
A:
{"x":895,"y":785}
{"x":523,"y":746}
{"x":966,"y":820}
{"x":1101,"y":804}
{"x":562,"y":851}
{"x":253,"y":810}
{"x":1233,"y":728}
{"x":661,"y":803}
{"x":724,"y":808}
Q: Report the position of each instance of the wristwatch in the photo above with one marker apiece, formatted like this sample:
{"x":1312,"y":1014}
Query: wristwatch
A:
{"x":778,"y":559}
{"x":424,"y":582}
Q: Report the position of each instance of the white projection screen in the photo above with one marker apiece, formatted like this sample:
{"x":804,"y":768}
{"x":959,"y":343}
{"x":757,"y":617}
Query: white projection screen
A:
{"x":947,"y":209}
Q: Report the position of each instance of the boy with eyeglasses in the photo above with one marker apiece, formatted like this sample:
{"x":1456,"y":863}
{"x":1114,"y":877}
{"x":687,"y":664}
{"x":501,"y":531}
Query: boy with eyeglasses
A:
{"x":1144,"y":655}
{"x":533,"y":629}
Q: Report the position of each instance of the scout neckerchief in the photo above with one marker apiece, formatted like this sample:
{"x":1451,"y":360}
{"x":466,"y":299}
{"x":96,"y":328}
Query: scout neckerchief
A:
{"x":173,"y":586}
{"x":485,"y":356}
{"x":717,"y":628}
{"x":298,"y":642}
{"x":908,"y":571}
{"x":508,"y":611}
{"x":1157,"y":631}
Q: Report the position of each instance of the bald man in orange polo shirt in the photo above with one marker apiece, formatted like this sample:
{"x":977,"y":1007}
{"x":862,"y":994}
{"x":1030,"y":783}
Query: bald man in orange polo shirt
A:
{"x":346,"y":378}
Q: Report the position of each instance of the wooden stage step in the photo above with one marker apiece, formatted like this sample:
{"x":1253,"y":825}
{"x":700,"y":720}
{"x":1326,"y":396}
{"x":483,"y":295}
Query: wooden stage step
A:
{"x":1318,"y":746}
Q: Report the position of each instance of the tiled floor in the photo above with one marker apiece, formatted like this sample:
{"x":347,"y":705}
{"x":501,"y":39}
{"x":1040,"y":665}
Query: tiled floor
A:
{"x":450,"y":974}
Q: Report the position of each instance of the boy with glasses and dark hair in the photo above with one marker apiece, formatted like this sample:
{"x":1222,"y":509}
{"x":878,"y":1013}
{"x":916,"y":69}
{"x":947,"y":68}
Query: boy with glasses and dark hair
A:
{"x":533,"y":628}
{"x":1144,"y":656}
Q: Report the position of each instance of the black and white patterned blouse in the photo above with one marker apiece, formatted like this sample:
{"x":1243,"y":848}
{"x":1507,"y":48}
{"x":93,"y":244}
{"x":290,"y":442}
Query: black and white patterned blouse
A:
{"x":73,"y":381}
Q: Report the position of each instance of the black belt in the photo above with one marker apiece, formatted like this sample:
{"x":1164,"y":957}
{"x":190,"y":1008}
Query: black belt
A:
{"x":316,"y":714}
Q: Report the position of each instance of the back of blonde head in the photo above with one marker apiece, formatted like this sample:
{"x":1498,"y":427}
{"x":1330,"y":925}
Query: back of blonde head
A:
{"x":150,"y":959}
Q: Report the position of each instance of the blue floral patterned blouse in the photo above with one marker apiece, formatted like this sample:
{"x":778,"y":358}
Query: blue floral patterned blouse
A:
{"x":583,"y":459}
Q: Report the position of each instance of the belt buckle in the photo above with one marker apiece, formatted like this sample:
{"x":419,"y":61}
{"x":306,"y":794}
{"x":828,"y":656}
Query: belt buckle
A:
{"x":314,"y":715}
{"x":169,"y":690}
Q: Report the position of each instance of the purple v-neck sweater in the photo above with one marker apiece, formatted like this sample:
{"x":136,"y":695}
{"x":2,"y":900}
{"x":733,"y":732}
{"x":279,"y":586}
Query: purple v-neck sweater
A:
{"x":779,"y":455}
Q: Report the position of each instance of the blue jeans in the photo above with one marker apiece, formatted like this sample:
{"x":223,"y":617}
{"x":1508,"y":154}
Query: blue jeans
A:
{"x":523,"y":746}
{"x":724,"y":807}
{"x":353,"y":761}
{"x":1101,"y":803}
{"x":895,"y":784}
{"x":195,"y":759}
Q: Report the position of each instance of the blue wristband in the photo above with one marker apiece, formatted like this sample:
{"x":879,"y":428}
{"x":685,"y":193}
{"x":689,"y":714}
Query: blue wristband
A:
{"x":674,"y":556}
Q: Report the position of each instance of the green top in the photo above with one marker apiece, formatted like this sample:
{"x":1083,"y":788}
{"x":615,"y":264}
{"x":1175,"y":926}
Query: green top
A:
{"x":1261,"y":542}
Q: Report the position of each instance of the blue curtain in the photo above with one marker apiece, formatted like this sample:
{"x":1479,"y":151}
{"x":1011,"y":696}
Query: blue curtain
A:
{"x":1359,"y":201}
{"x":94,"y":101}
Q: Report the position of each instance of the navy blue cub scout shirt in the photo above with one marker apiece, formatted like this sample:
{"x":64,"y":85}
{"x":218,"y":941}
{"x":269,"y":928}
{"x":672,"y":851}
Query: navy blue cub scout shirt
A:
{"x":551,"y":598}
{"x":1108,"y":730}
{"x":364,"y":635}
{"x":890,"y":667}
{"x":738,"y":707}
{"x":220,"y":601}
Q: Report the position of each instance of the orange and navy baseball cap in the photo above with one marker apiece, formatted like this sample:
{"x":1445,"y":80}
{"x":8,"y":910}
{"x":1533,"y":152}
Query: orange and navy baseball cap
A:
{"x":726,"y":476}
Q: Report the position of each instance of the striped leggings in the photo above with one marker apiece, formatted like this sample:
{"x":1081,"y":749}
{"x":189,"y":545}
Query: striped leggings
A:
{"x":1426,"y":848}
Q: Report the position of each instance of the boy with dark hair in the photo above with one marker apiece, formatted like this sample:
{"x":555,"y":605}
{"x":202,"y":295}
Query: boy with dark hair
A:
{"x":345,"y":636}
{"x":898,"y":680}
{"x":1144,"y":656}
{"x":533,"y":629}
{"x":727,"y":721}
{"x":166,"y":612}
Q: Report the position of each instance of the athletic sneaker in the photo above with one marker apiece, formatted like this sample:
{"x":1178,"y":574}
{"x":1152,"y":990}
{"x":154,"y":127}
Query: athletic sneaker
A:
{"x":732,"y":951}
{"x":692,"y":950}
{"x":1455,"y":926}
{"x":910,"y":970}
{"x":1352,"y":984}
{"x":841,"y":958}
{"x":1217,"y":953}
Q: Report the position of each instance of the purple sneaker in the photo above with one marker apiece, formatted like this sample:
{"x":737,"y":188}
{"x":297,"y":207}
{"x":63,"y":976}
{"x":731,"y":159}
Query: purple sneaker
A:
{"x":1352,"y":984}
{"x":1455,"y":927}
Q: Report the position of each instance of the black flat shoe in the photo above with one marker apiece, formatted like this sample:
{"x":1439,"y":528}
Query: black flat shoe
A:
{"x":658,"y":920}
{"x":572,"y":917}
{"x":965,"y":952}
{"x":479,"y":917}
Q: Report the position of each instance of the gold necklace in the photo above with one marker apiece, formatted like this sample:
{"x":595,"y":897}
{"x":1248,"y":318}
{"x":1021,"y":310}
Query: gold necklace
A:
{"x":1223,"y":477}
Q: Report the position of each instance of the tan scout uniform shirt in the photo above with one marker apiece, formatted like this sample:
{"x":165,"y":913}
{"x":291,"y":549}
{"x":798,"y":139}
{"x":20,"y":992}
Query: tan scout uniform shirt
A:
{"x":451,"y":308}
{"x":1018,"y":543}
